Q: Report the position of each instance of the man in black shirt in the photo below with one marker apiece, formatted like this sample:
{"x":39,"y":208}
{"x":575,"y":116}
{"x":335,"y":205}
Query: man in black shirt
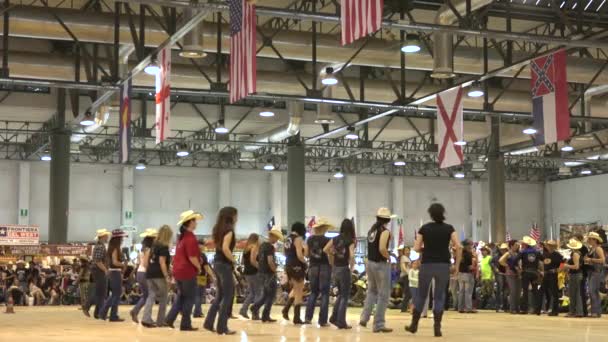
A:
{"x":531,"y":261}
{"x":551,"y":265}
{"x":501,"y":279}
{"x":267,"y":271}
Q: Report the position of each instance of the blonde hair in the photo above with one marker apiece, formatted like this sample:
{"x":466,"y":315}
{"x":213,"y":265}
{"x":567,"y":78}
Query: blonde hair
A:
{"x":165,"y":234}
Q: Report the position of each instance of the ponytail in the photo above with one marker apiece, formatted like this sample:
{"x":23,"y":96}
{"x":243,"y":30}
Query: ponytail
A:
{"x":182,"y":230}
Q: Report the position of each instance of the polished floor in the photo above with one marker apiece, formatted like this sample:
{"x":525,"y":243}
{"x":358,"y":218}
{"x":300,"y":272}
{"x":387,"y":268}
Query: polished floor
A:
{"x":67,"y":324}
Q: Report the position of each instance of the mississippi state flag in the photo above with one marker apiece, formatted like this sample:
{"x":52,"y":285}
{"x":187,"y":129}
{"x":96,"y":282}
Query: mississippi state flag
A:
{"x":163,"y":95}
{"x":550,"y":98}
{"x":450,"y":127}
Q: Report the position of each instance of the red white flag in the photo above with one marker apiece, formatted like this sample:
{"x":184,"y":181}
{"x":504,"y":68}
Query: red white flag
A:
{"x":163,"y":95}
{"x":242,"y":49}
{"x":360,"y":18}
{"x":535,"y":232}
{"x":311,"y":224}
{"x":401,"y":240}
{"x":450,"y":127}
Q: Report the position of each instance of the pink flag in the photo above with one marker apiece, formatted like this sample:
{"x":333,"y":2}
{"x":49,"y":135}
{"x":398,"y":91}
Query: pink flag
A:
{"x":163,"y":95}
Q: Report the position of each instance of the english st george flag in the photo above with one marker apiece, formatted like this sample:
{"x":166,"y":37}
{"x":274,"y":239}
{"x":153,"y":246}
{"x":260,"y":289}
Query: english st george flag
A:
{"x":450,"y":127}
{"x":242,"y":49}
{"x":360,"y":18}
{"x":550,"y":98}
{"x":163,"y":96}
{"x":124,"y":128}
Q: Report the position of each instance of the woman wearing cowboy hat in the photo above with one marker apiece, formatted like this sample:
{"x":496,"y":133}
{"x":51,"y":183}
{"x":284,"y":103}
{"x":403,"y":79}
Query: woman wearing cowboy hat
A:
{"x":596,"y":261}
{"x":99,"y":271}
{"x":267,"y":276}
{"x":115,"y":268}
{"x":532,"y":269}
{"x":378,"y":272}
{"x":186,"y":266}
{"x":319,"y":272}
{"x":144,"y":256}
{"x":575,"y":274}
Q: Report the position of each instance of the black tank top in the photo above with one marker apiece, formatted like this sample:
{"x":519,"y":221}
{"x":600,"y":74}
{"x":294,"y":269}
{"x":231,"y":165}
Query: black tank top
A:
{"x":580,"y":263}
{"x":219,"y":253}
{"x":373,"y":245}
{"x":291,"y":254}
{"x":341,"y":251}
{"x":316,"y":243}
{"x":249,"y":269}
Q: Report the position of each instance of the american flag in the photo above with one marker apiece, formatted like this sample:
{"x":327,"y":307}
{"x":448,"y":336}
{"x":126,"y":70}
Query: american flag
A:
{"x":125,"y":122}
{"x":535,"y":232}
{"x":242,"y":49}
{"x":360,"y":18}
{"x":163,"y":95}
{"x":401,"y":240}
{"x":270,"y":224}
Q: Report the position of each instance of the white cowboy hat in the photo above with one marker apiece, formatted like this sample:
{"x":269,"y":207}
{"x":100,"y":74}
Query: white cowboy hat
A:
{"x":385,"y":213}
{"x":276,"y":231}
{"x":189,"y":215}
{"x":323,"y":222}
{"x":529,"y":241}
{"x":595,"y":236}
{"x":574,"y":244}
{"x":149,"y":232}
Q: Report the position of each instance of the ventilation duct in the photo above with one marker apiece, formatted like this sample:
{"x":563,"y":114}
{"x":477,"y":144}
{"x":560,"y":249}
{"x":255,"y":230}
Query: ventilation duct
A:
{"x":324,"y":112}
{"x":295,"y":110}
{"x":443,"y":53}
{"x":192,"y":46}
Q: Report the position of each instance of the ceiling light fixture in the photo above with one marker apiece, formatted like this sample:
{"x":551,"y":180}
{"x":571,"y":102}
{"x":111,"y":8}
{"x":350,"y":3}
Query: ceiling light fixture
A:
{"x":338,"y":174}
{"x":459,"y":175}
{"x":328,"y":78}
{"x":530,"y":131}
{"x":266,"y":113}
{"x":152,"y":68}
{"x":141,"y":165}
{"x":351,"y":135}
{"x":400,"y":161}
{"x":411,"y":44}
{"x":460,"y":143}
{"x":475,"y":90}
{"x":182,"y":151}
{"x":221,"y":128}
{"x":269,"y":167}
{"x":87,"y":120}
{"x":46,"y":157}
{"x":567,"y":148}
{"x":586,"y":172}
{"x":573,"y":163}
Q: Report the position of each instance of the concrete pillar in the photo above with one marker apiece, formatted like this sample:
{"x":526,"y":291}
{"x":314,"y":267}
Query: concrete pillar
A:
{"x":23,"y":217}
{"x":296,"y":184}
{"x":224,"y":198}
{"x":398,"y":204}
{"x":350,"y":201}
{"x":128,"y":188}
{"x":59,"y":197}
{"x":496,"y":184}
{"x":479,"y":231}
{"x":276,"y":203}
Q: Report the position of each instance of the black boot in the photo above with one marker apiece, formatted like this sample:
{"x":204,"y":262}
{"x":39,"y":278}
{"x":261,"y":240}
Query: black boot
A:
{"x":296,"y":315}
{"x":437,"y":326}
{"x":286,"y":308}
{"x":413,"y":327}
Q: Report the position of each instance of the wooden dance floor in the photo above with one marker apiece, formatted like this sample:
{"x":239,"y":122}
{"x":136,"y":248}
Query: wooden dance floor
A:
{"x":67,"y":324}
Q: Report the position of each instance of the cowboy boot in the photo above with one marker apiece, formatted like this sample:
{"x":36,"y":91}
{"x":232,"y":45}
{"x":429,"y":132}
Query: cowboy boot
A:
{"x":296,"y":315}
{"x":437,"y":326}
{"x":286,"y":308}
{"x":413,"y":327}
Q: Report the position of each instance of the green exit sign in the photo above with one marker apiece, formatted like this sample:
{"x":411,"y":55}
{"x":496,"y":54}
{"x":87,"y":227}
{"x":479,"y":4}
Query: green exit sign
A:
{"x":23,"y":212}
{"x":128,"y":214}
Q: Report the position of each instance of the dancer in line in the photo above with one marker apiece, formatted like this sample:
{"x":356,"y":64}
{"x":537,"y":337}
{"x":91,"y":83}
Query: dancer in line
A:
{"x":267,"y":276}
{"x":84,"y":281}
{"x":596,"y":260}
{"x":575,"y":274}
{"x":202,"y":280}
{"x":532,"y":270}
{"x":404,"y":266}
{"x":116,"y":268}
{"x":225,"y":240}
{"x":466,"y":278}
{"x":319,"y":272}
{"x":158,"y":277}
{"x":378,"y":272}
{"x":433,"y":242}
{"x":500,"y":272}
{"x":99,"y":272}
{"x":552,"y":261}
{"x":186,"y":265}
{"x":144,"y":255}
{"x":250,"y":271}
{"x":341,"y":251}
{"x":295,"y":267}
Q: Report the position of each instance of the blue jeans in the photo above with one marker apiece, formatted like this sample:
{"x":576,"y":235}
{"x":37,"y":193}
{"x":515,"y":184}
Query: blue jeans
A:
{"x":440,"y":272}
{"x":595,"y":279}
{"x":143,"y":285}
{"x":253,"y":289}
{"x":320,"y":280}
{"x":268,"y":282}
{"x":199,"y":299}
{"x":223,"y":299}
{"x":378,"y":291}
{"x":116,"y":291}
{"x":342,"y":277}
{"x":183,"y":303}
{"x":466,"y":285}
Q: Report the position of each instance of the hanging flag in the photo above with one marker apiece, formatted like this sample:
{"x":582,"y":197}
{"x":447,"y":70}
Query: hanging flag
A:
{"x":242,"y":49}
{"x":535,"y":232}
{"x":401,"y":239}
{"x":124,"y":129}
{"x":163,"y":95}
{"x":450,"y":127}
{"x":360,"y":18}
{"x":550,"y":98}
{"x":508,"y":237}
{"x":311,"y":223}
{"x":271,"y":223}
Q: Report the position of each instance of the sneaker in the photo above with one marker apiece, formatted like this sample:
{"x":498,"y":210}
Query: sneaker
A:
{"x":383,"y":330}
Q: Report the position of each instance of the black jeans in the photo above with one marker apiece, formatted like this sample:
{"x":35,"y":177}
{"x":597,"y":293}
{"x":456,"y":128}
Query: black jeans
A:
{"x":584,"y":296}
{"x":407,"y":295}
{"x":100,"y":291}
{"x":531,"y":279}
{"x":183,"y":303}
{"x":222,"y":303}
{"x":550,"y":291}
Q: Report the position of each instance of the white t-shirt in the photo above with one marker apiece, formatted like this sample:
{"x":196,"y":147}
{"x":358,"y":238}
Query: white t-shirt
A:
{"x":407,"y":261}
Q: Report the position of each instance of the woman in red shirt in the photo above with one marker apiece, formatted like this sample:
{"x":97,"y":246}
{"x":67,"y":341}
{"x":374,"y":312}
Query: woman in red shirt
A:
{"x":186,"y":266}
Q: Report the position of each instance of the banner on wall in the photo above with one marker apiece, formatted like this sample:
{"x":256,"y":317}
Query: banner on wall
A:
{"x":567,"y":231}
{"x":46,"y":250}
{"x":16,"y":235}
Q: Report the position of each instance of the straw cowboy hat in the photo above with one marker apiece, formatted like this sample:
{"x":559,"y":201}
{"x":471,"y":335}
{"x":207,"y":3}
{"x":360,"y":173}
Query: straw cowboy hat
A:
{"x":118,"y":233}
{"x":385,"y":213}
{"x":401,"y":247}
{"x":102,"y":232}
{"x":529,"y":241}
{"x":574,"y":244}
{"x":323,"y":222}
{"x":551,"y":243}
{"x":149,"y":232}
{"x":276,"y":231}
{"x":189,"y":215}
{"x":595,"y":236}
{"x":503,"y":246}
{"x":83,"y":257}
